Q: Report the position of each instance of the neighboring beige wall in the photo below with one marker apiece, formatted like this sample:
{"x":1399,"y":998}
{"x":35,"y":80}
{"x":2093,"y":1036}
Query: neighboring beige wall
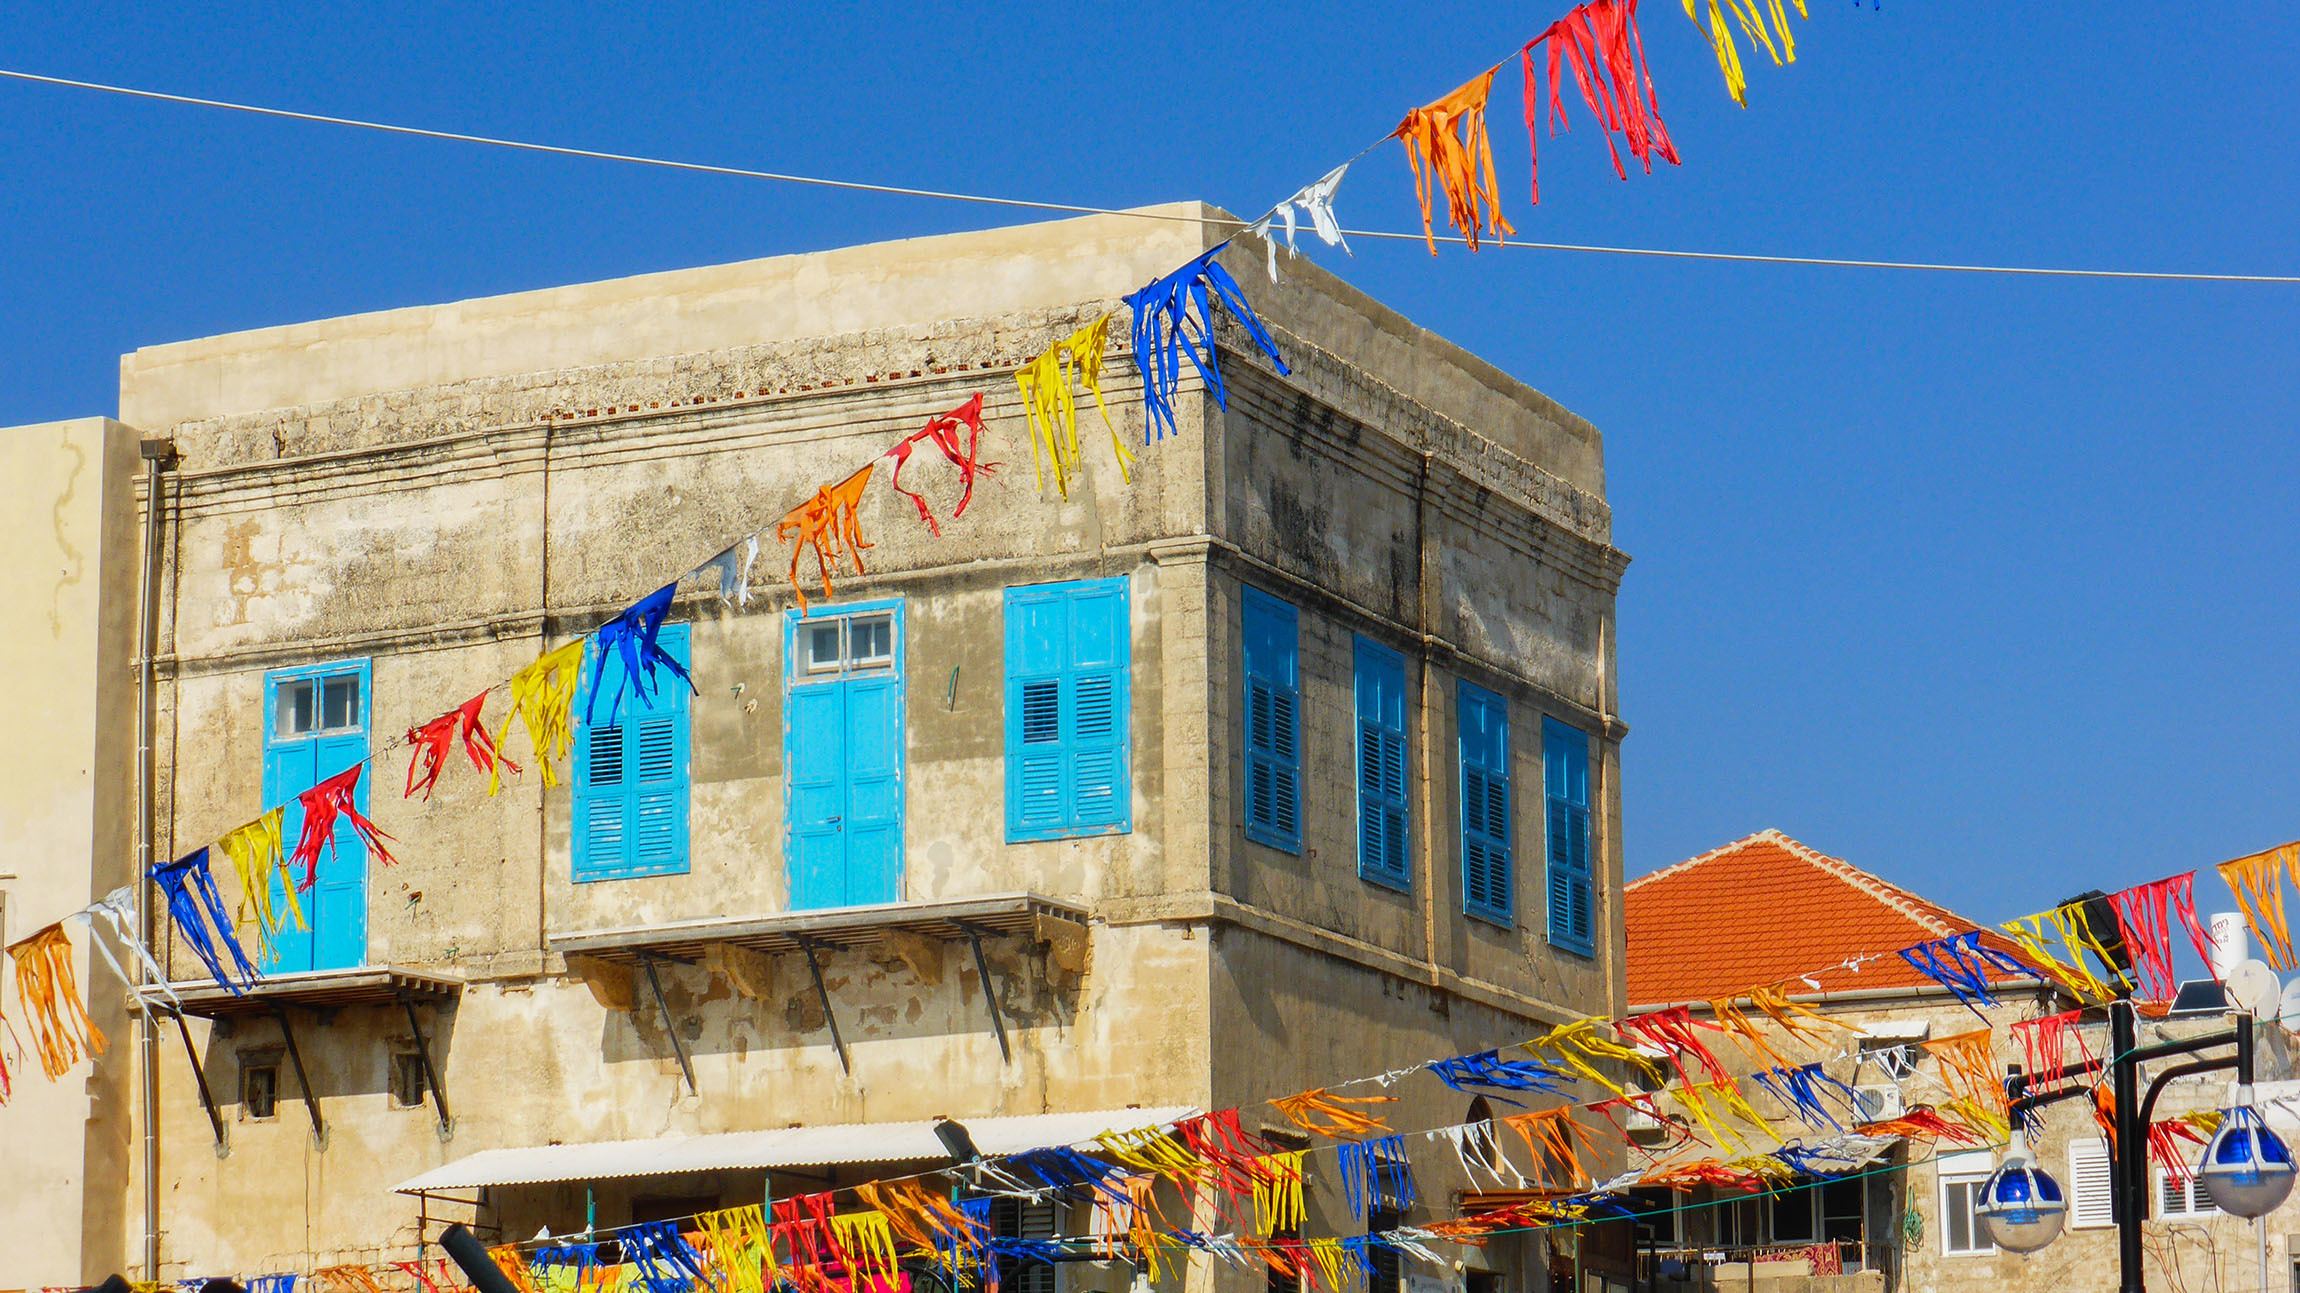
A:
{"x":66,"y":816}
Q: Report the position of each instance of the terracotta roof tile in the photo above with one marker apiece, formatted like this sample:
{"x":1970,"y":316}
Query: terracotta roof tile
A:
{"x":1767,"y":909}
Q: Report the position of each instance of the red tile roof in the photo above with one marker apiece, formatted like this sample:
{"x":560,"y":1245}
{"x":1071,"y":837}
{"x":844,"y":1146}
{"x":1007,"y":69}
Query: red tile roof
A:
{"x":1767,"y":910}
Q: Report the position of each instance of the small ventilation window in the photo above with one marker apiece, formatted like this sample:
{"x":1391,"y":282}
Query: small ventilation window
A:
{"x":408,"y":1086}
{"x":259,"y":1089}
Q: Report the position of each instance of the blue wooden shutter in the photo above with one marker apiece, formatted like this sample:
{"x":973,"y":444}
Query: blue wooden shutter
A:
{"x":632,"y":779}
{"x":1487,"y":884}
{"x":1068,"y":659}
{"x":1565,"y":787}
{"x":336,"y":906}
{"x":1384,"y":849}
{"x":1273,"y":721}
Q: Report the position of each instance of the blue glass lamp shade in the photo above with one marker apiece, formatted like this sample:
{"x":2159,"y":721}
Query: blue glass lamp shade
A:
{"x":2247,"y":1168}
{"x":2021,"y":1206}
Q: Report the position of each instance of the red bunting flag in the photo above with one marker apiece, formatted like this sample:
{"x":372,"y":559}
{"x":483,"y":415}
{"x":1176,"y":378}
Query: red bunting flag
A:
{"x":1600,"y":43}
{"x":322,"y":804}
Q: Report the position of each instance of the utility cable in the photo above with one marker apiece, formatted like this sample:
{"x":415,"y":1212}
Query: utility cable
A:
{"x":1073,"y":208}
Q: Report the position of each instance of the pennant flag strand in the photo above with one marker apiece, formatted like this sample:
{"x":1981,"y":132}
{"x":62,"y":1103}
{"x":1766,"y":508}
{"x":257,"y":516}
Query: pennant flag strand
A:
{"x":1174,"y":317}
{"x":432,"y":740}
{"x":189,"y":889}
{"x":322,"y":804}
{"x":732,"y":566}
{"x":1487,"y":1070}
{"x":116,"y":912}
{"x":941,"y":431}
{"x":1600,"y":42}
{"x":1322,"y":1113}
{"x":1051,"y":408}
{"x":1375,"y":1174}
{"x":1777,"y":41}
{"x":2258,"y":883}
{"x":61,"y":1031}
{"x":1316,"y":202}
{"x":829,"y":524}
{"x":543,"y":700}
{"x":267,"y":889}
{"x":635,"y":639}
{"x":2144,"y":915}
{"x":1446,"y":145}
{"x":1961,"y":964}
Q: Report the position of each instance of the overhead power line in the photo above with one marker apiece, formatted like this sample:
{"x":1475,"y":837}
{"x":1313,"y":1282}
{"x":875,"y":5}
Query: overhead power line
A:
{"x":1073,"y":208}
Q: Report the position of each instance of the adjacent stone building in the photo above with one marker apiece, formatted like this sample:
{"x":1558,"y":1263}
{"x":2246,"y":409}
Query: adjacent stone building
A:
{"x":1768,"y":909}
{"x":1096,"y":807}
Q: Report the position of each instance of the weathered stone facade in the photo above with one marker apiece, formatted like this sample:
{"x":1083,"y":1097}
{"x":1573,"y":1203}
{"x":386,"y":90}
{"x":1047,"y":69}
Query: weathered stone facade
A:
{"x":443,"y":491}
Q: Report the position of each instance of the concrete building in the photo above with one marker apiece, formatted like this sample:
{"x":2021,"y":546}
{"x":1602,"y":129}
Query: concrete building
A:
{"x":768,"y":928}
{"x":1768,"y":909}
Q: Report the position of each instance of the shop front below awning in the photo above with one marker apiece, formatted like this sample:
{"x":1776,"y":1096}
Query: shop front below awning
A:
{"x":785,"y":1147}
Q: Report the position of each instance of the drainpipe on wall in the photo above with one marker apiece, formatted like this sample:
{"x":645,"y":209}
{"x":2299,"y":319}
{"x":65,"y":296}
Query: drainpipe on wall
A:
{"x":158,"y":456}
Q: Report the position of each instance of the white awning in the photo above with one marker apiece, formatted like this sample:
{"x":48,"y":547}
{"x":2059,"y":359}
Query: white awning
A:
{"x":854,"y":1142}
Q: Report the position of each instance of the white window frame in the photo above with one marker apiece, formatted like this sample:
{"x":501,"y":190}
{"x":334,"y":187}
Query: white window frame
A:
{"x":2198,"y":1205}
{"x":2095,"y":1208}
{"x":1974,"y":1230}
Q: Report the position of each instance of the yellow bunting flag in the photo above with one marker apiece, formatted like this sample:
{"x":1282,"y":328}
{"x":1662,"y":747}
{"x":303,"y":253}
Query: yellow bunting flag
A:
{"x":2080,"y":950}
{"x":830,"y":524}
{"x":868,"y":1239}
{"x":543,"y":701}
{"x":2258,"y":883}
{"x":736,"y":1239}
{"x":1969,"y":1071}
{"x":258,"y":858}
{"x":1322,"y":1113}
{"x":1696,"y":1106}
{"x":61,"y":1031}
{"x":1447,"y":146}
{"x":1278,"y":1192}
{"x":1576,"y":1044}
{"x":1049,"y":404}
{"x":1152,"y":1150}
{"x":1752,"y":15}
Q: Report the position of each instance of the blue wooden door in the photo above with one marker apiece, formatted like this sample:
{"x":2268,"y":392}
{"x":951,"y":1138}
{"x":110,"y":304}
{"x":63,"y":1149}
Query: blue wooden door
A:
{"x":315,"y":725}
{"x":843,"y":743}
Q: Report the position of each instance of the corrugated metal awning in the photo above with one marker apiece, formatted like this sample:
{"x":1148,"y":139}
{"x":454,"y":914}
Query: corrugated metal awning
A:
{"x":855,"y":1142}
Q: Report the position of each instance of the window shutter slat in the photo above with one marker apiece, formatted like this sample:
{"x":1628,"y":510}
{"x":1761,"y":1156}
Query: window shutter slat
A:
{"x":2091,"y":1198}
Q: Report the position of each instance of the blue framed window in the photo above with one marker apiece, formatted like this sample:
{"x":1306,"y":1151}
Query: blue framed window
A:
{"x":1068,"y":667}
{"x":1385,"y":851}
{"x":315,"y":726}
{"x":632,"y":780}
{"x":1488,"y":888}
{"x":1565,"y":788}
{"x":1272,"y":640}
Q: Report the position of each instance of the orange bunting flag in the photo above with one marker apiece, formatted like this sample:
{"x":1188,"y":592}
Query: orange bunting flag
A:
{"x":543,"y":700}
{"x":2258,"y":883}
{"x":347,"y":1279}
{"x":1969,"y":1071}
{"x":1796,"y":1018}
{"x":514,"y":1267}
{"x":1600,"y":42}
{"x":61,"y":1031}
{"x":1777,"y":40}
{"x":1555,"y":1139}
{"x":1447,"y":146}
{"x":1322,"y":1113}
{"x":431,"y":742}
{"x":1743,"y":1030}
{"x":1921,"y":1123}
{"x":829,"y":524}
{"x":335,"y":797}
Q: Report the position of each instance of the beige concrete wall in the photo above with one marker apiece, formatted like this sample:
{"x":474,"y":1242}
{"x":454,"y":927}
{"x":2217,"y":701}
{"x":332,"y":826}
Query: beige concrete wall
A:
{"x":443,"y":490}
{"x":66,"y":823}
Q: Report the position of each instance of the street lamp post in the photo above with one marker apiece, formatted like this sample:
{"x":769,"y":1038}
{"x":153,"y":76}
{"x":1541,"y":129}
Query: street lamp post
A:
{"x":2246,"y":1168}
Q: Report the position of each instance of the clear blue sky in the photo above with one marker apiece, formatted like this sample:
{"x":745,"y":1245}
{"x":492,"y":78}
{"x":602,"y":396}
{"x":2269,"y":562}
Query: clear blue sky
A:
{"x":1986,"y":584}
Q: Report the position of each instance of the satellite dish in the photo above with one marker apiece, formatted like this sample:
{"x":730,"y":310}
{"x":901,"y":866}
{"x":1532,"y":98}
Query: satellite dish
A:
{"x":2253,"y":986}
{"x":2288,"y":1010}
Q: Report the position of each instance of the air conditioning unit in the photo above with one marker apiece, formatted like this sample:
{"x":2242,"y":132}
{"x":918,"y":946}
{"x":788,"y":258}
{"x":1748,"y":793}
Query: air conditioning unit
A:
{"x":1877,"y":1103}
{"x":1635,"y":1120}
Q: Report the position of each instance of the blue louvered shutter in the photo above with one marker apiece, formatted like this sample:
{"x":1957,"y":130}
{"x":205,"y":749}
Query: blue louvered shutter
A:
{"x":1565,"y":787}
{"x":1384,"y":849}
{"x":1067,"y":710}
{"x":1273,"y":721}
{"x":632,"y":782}
{"x":1487,"y":885}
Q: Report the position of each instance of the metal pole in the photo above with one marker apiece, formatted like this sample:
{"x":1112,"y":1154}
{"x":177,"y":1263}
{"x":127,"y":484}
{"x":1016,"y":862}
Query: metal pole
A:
{"x":2130,"y":1194}
{"x":156,"y":454}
